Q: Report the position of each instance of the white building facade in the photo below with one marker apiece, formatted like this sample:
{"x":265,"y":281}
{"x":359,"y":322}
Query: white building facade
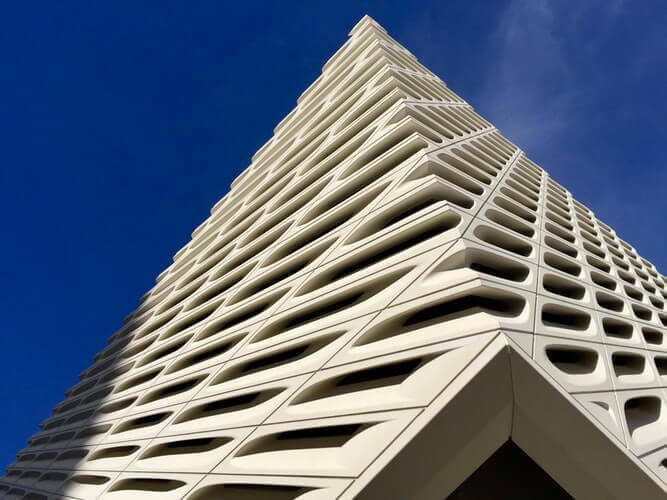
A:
{"x":387,"y":295}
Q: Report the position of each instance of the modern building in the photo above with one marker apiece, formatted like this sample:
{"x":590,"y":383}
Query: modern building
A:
{"x":392,"y":301}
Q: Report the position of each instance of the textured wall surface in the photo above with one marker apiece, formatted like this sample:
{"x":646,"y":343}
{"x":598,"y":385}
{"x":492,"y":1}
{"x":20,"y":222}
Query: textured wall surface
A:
{"x":389,"y":275}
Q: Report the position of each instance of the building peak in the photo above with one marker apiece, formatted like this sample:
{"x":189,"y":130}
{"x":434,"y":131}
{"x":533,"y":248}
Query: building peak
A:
{"x":365,"y":22}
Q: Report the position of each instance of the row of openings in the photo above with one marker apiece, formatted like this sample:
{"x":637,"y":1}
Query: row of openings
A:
{"x":492,"y":302}
{"x":581,"y":361}
{"x":426,"y":233}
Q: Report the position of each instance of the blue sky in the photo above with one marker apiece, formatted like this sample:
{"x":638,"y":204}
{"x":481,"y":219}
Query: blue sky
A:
{"x":121,"y":123}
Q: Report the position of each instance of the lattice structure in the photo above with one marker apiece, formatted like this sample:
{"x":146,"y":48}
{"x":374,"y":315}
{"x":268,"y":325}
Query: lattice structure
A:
{"x":389,"y":292}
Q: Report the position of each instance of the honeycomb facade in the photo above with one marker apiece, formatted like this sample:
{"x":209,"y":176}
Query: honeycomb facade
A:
{"x":386,"y":295}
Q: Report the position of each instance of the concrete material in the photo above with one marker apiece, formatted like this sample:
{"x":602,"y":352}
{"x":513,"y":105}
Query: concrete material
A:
{"x":388,"y":293}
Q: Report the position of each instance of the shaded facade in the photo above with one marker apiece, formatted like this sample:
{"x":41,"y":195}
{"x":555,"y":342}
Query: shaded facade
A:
{"x":392,"y":301}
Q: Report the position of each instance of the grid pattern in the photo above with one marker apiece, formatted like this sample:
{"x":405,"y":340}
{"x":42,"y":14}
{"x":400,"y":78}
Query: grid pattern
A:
{"x":381,"y":241}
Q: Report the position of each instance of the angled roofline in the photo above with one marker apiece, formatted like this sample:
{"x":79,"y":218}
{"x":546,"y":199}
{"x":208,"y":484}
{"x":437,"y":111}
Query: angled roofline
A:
{"x":502,"y":395}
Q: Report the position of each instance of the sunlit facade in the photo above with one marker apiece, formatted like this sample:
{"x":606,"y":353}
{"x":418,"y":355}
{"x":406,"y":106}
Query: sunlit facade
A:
{"x":390,"y":295}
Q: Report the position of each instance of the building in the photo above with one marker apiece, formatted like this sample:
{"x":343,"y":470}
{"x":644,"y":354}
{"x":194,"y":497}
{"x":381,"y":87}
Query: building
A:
{"x":392,"y":301}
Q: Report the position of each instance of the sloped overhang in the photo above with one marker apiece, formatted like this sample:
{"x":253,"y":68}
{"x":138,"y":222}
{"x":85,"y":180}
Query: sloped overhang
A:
{"x":504,"y":395}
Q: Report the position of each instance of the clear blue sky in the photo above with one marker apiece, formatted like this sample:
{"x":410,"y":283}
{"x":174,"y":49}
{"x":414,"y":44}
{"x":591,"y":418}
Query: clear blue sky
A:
{"x":121,"y":123}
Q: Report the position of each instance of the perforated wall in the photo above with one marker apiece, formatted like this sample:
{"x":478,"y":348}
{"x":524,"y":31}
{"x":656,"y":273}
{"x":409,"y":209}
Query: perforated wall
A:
{"x":379,"y":253}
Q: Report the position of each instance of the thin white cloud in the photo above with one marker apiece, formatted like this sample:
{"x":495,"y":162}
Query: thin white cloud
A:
{"x":529,"y":91}
{"x":532,"y":91}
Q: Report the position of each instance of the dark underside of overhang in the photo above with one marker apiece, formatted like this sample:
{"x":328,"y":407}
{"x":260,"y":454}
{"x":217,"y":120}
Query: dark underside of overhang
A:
{"x":509,"y":474}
